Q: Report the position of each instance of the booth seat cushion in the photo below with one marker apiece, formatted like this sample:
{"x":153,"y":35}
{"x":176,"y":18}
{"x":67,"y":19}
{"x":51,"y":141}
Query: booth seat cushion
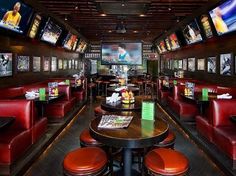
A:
{"x":39,"y":129}
{"x":204,"y":127}
{"x":225,"y":139}
{"x":186,"y":111}
{"x":13,"y":143}
{"x":10,"y":93}
{"x":79,"y":95}
{"x":57,"y":109}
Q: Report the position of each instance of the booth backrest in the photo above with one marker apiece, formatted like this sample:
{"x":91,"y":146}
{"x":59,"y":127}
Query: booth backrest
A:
{"x":65,"y":89}
{"x":222,"y":110}
{"x":211,"y":88}
{"x":10,"y":93}
{"x":20,"y":109}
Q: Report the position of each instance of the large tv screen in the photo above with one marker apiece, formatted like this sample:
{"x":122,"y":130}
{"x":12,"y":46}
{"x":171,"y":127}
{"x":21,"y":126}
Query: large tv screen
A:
{"x":15,"y":15}
{"x":70,"y":41}
{"x":122,"y":53}
{"x":174,"y":43}
{"x":192,"y":33}
{"x":224,"y":17}
{"x":81,"y":46}
{"x":51,"y":32}
{"x":34,"y":26}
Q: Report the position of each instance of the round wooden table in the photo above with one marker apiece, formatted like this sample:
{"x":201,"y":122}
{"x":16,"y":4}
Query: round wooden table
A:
{"x":139,"y":134}
{"x":119,"y":106}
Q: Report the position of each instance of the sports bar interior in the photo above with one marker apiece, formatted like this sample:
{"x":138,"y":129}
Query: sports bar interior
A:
{"x":117,"y":87}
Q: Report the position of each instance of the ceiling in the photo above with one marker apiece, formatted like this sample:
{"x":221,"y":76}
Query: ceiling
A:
{"x":143,"y":19}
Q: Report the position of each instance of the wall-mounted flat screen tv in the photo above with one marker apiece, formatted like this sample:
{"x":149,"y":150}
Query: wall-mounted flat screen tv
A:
{"x":69,"y":41}
{"x":5,"y":64}
{"x":224,"y":17}
{"x":162,"y":46}
{"x":174,"y":43}
{"x":34,"y":26}
{"x":51,"y":32}
{"x":75,"y":44}
{"x":15,"y":15}
{"x":122,"y":53}
{"x":167,"y":41}
{"x":81,"y":46}
{"x":192,"y":33}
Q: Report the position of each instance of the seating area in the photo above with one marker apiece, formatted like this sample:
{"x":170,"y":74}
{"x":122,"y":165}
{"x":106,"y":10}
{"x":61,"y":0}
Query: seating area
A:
{"x":31,"y":118}
{"x":211,"y":117}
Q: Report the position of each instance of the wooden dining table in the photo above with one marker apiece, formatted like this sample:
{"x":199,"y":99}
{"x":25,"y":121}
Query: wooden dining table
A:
{"x":139,"y":134}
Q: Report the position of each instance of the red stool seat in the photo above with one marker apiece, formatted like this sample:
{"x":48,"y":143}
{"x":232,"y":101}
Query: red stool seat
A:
{"x":85,"y":161}
{"x":87,"y":140}
{"x":168,"y":142}
{"x":99,"y":111}
{"x":166,"y":162}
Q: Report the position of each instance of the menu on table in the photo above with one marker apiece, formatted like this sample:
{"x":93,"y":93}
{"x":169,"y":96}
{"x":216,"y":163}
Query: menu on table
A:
{"x":114,"y":121}
{"x":148,"y":110}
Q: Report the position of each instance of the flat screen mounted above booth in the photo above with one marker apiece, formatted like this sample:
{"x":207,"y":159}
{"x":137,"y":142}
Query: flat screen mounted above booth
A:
{"x":122,"y":54}
{"x":15,"y":15}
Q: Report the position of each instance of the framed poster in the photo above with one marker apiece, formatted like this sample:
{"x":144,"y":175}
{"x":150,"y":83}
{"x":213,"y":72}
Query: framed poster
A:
{"x":5,"y":64}
{"x":46,"y":64}
{"x":185,"y":64}
{"x":201,"y":64}
{"x":36,"y":64}
{"x":69,"y":64}
{"x":23,"y":63}
{"x":76,"y":64}
{"x":211,"y":64}
{"x":73,"y":64}
{"x":64,"y":64}
{"x":191,"y":64}
{"x":60,"y":64}
{"x":54,"y":64}
{"x":180,"y":64}
{"x":226,"y":62}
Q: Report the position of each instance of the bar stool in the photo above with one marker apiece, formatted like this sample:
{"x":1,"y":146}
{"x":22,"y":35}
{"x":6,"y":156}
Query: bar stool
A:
{"x":91,"y":86}
{"x":86,"y":140}
{"x":88,"y":161}
{"x":140,"y":85}
{"x":166,"y":162}
{"x":99,"y":111}
{"x":98,"y":82}
{"x":168,"y":142}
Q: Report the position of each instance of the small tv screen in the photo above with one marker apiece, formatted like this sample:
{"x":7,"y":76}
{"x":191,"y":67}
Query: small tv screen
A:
{"x":122,"y":53}
{"x":51,"y":32}
{"x":162,"y":46}
{"x":192,"y":33}
{"x":69,"y":41}
{"x":167,"y":41}
{"x":81,"y":46}
{"x":224,"y":17}
{"x":174,"y":43}
{"x":34,"y":26}
{"x":5,"y":64}
{"x":15,"y":15}
{"x":75,"y":44}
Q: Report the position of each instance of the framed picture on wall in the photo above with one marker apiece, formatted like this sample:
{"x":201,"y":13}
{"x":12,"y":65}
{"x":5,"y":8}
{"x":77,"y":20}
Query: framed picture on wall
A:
{"x":54,"y":64}
{"x":191,"y":64}
{"x":36,"y":64}
{"x":60,"y":64}
{"x":211,"y":64}
{"x":22,"y":63}
{"x":176,"y":62}
{"x":46,"y":64}
{"x":76,"y":64}
{"x":5,"y":64}
{"x":69,"y":64}
{"x":180,"y":64}
{"x":73,"y":64}
{"x":185,"y":64}
{"x":201,"y":64}
{"x":226,"y":63}
{"x":64,"y":64}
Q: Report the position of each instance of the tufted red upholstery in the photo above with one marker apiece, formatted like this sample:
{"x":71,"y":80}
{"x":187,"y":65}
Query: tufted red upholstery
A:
{"x":17,"y":138}
{"x":11,"y":92}
{"x":85,"y":161}
{"x":87,"y":140}
{"x":168,"y":142}
{"x":166,"y":162}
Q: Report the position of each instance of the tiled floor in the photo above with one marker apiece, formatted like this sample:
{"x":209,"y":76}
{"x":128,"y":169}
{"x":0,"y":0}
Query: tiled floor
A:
{"x":50,"y":163}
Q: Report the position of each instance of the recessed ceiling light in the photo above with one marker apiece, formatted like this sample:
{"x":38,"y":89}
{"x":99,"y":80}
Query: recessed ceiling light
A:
{"x":103,"y":14}
{"x":110,"y":31}
{"x":66,"y":19}
{"x":76,"y":7}
{"x":169,"y":9}
{"x":123,"y":4}
{"x":135,"y":31}
{"x":142,"y":15}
